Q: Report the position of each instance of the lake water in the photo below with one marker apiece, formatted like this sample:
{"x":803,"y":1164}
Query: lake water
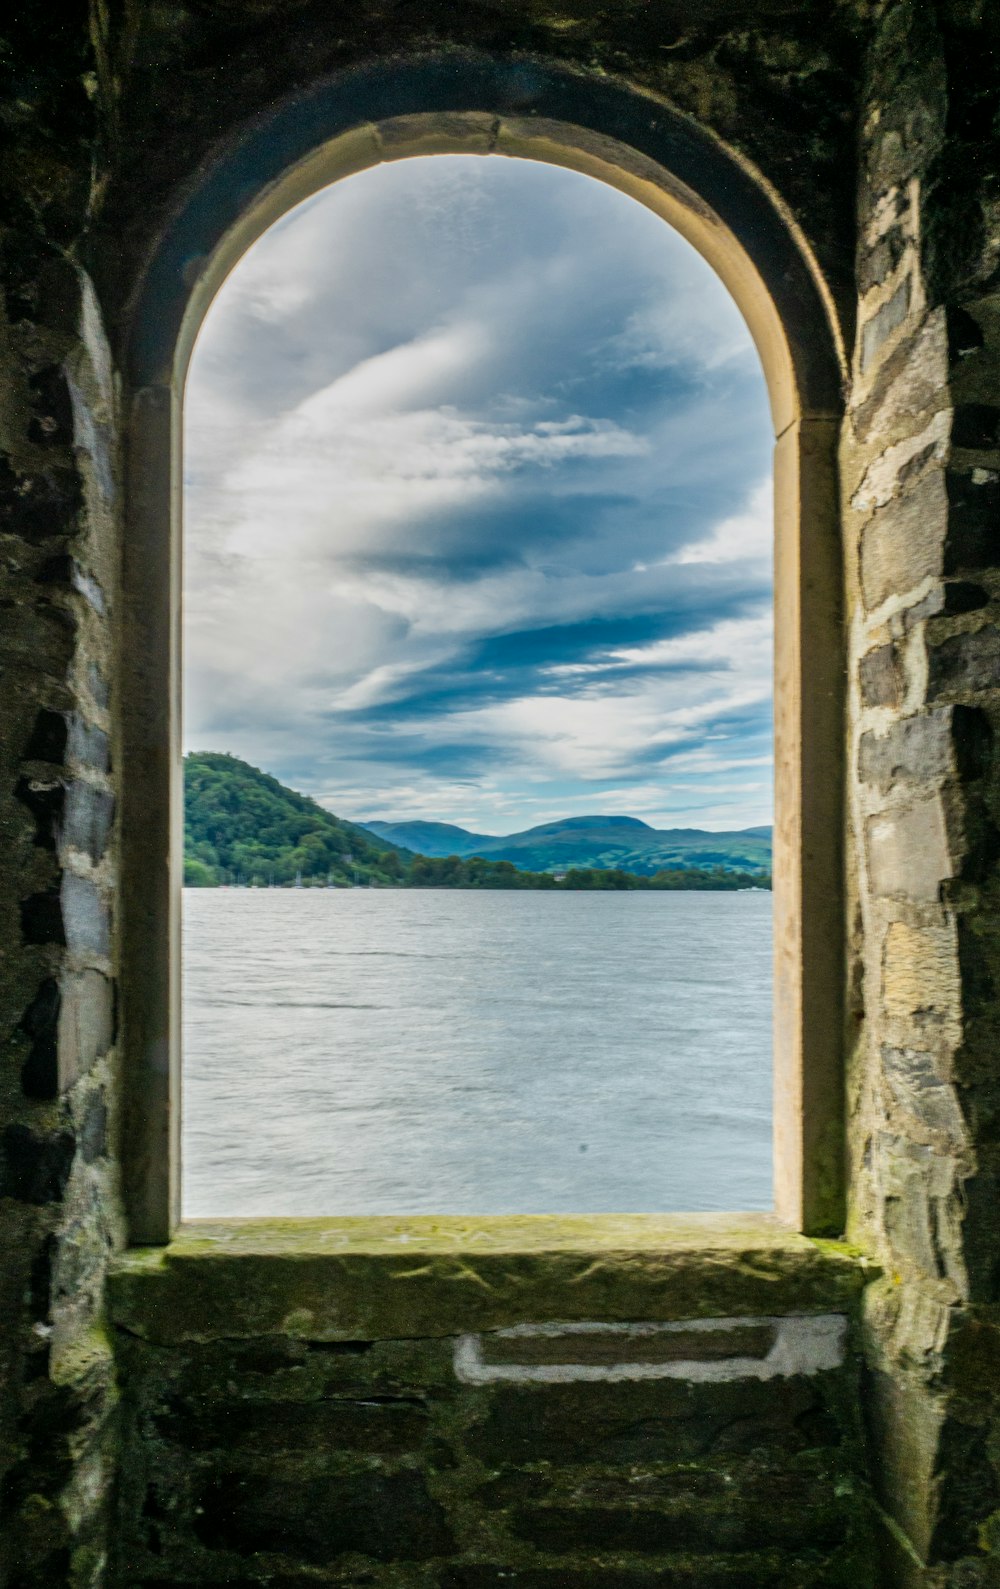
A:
{"x":430,"y":1051}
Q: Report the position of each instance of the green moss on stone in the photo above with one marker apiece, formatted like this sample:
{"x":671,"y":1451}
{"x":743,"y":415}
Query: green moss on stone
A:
{"x":376,"y":1279}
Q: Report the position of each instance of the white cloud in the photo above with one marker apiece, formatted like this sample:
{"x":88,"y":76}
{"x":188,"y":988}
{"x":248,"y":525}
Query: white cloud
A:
{"x":740,"y":645}
{"x":684,"y":326}
{"x":743,"y":537}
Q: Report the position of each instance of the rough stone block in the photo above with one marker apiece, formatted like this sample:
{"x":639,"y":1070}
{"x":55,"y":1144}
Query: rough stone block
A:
{"x":88,"y":744}
{"x":965,"y":663}
{"x":98,"y":686}
{"x":912,"y":383}
{"x":878,"y":262}
{"x":881,"y":676}
{"x":93,"y":1133}
{"x":909,"y":855}
{"x":921,"y":1102}
{"x":921,"y":989}
{"x":86,"y":917}
{"x":919,"y":1189}
{"x":903,"y":542}
{"x":86,"y":1024}
{"x":886,"y":319}
{"x":914,"y":749}
{"x":903,"y":1427}
{"x":87,"y":818}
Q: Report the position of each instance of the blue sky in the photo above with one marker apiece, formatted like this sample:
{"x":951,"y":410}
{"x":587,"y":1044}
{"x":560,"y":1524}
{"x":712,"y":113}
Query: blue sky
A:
{"x":477,"y":508}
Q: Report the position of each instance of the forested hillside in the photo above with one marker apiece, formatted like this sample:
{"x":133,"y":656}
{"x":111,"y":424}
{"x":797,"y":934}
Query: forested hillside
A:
{"x":241,"y":825}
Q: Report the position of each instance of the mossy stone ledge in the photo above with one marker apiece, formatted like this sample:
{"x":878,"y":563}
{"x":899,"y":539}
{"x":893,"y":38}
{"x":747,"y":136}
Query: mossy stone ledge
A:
{"x":387,"y":1278}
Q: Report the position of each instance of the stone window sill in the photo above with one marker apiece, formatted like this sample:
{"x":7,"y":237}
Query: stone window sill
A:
{"x":385,"y":1278}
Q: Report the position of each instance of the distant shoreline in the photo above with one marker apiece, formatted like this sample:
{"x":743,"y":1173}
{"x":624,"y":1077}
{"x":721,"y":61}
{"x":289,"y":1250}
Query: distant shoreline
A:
{"x":541,"y":883}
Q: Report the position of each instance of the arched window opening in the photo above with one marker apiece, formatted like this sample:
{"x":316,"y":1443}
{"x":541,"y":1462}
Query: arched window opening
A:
{"x":639,"y":146}
{"x":477,"y":554}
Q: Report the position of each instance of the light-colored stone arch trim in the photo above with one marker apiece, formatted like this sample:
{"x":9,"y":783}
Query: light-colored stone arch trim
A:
{"x":790,"y":322}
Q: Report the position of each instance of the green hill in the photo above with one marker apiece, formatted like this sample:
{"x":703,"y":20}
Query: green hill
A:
{"x":240,"y":825}
{"x":592,"y":841}
{"x":243,"y":826}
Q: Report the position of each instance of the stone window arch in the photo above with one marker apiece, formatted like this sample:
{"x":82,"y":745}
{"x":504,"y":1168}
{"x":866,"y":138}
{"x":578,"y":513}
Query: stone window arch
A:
{"x":473,"y":105}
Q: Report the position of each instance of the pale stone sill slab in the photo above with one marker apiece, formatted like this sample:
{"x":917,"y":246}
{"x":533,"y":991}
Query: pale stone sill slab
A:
{"x":395,"y":1278}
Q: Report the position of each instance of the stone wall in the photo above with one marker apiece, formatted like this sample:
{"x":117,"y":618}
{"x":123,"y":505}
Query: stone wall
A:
{"x":58,"y":561}
{"x":922,"y":502}
{"x":875,"y":124}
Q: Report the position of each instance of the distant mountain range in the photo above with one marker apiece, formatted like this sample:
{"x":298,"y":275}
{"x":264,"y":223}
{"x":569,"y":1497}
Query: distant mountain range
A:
{"x":599,"y":841}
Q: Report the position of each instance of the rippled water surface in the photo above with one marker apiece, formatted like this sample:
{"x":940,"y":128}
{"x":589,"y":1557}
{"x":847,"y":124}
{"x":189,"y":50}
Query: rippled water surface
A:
{"x":430,"y":1051}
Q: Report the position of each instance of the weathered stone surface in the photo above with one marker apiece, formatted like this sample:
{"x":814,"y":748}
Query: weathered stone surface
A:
{"x":909,"y":855}
{"x":268,"y":1453}
{"x":86,"y":917}
{"x":922,"y":1102}
{"x":903,"y":542}
{"x":897,"y":469}
{"x":87,"y":817}
{"x":886,"y":319}
{"x":918,"y":749}
{"x":86,"y":1023}
{"x":881,"y":676}
{"x":88,"y":744}
{"x":651,"y":1532}
{"x":921,"y":987}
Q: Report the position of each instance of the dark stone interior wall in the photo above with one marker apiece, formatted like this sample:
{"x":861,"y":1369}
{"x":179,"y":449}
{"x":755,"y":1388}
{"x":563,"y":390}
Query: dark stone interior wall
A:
{"x":58,"y":560}
{"x":103,"y":116}
{"x":776,"y":80}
